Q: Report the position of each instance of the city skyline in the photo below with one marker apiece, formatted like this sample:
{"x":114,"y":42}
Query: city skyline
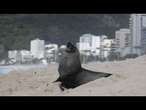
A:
{"x":124,"y":39}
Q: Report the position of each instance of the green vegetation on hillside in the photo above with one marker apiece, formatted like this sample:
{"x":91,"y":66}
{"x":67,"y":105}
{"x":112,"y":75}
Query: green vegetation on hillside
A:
{"x":16,"y":30}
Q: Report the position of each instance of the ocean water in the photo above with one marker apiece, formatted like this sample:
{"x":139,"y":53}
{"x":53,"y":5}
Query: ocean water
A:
{"x":5,"y":70}
{"x":9,"y":68}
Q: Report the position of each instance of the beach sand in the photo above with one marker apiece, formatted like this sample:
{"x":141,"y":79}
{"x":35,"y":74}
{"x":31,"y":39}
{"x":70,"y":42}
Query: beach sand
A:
{"x":128,"y":79}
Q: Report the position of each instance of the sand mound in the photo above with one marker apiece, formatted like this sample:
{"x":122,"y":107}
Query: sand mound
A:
{"x":128,"y":79}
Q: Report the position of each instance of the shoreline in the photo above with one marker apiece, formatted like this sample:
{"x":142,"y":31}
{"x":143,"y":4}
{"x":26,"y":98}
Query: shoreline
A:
{"x":128,"y":79}
{"x":9,"y":68}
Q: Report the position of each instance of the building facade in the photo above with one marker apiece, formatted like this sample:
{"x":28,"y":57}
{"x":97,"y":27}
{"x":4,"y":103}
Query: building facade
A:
{"x":107,"y":43}
{"x":37,"y":48}
{"x":123,"y":41}
{"x":89,"y":42}
{"x":138,"y":33}
{"x":26,"y":56}
{"x":97,"y":46}
{"x":51,"y":52}
{"x":19,"y":56}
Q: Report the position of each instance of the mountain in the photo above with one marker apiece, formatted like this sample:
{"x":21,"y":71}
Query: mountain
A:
{"x":16,"y":30}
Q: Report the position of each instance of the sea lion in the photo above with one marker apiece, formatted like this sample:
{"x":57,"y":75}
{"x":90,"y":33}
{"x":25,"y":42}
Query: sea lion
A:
{"x":71,"y":73}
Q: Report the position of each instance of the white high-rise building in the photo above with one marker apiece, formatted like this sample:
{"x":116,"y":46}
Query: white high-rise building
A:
{"x":123,"y":41}
{"x":96,"y":45}
{"x":95,"y":42}
{"x":37,"y":48}
{"x":83,"y":46}
{"x":89,"y":41}
{"x":123,"y":38}
{"x":138,"y":32}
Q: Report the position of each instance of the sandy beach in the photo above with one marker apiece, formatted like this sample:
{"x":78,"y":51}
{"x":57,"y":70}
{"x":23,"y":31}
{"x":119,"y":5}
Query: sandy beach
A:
{"x":128,"y":79}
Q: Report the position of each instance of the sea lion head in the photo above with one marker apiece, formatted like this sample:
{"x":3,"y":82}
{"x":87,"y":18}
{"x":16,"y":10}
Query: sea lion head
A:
{"x":70,"y":48}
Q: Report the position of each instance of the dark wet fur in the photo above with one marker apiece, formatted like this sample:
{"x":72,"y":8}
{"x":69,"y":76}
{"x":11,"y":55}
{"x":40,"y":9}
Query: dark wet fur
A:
{"x":78,"y":75}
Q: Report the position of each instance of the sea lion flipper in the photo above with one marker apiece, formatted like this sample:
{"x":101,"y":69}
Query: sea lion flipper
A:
{"x":100,"y":74}
{"x":58,"y":79}
{"x":107,"y":75}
